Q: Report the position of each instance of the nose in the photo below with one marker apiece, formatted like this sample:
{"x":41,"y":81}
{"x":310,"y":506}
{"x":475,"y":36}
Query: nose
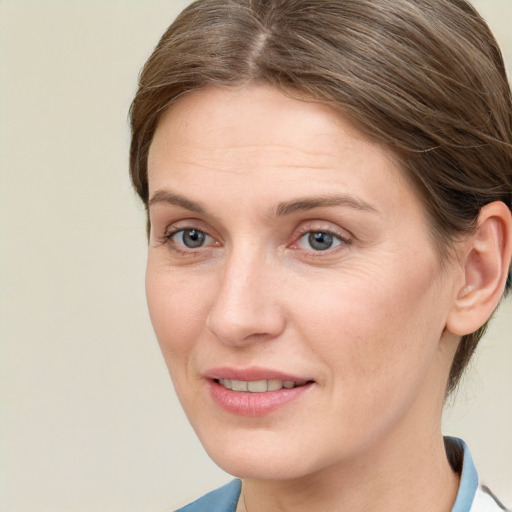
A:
{"x":247,"y":306}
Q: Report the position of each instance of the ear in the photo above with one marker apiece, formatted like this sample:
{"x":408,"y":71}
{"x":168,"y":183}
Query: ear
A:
{"x":486,"y":261}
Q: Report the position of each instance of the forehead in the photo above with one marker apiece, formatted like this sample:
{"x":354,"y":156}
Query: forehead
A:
{"x":257,"y":141}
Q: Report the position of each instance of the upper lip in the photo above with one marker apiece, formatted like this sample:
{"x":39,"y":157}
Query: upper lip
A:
{"x":253,"y":373}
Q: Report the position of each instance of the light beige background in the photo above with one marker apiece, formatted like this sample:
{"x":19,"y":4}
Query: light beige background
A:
{"x":89,"y":421}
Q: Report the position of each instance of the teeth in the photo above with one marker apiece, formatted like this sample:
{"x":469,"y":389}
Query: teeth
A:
{"x":226,"y":383}
{"x":274,"y":385}
{"x":239,"y":385}
{"x":259,"y":386}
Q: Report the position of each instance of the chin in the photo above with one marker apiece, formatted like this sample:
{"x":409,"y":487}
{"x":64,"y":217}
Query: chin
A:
{"x":262,"y":456}
{"x":260,"y":466}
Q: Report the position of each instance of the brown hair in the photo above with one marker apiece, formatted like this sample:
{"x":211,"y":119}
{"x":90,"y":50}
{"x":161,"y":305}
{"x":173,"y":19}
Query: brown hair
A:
{"x":425,"y":78}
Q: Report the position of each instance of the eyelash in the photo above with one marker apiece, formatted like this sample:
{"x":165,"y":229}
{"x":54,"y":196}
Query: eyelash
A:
{"x":311,"y":228}
{"x":168,"y":240}
{"x":297,"y":237}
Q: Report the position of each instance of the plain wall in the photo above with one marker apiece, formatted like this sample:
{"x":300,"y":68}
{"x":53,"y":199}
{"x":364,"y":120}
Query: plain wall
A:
{"x":88,"y":419}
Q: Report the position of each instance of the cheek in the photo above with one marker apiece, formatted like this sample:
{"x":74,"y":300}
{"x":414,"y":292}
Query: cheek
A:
{"x":178,"y":309}
{"x":371,"y":331}
{"x":378,"y":344}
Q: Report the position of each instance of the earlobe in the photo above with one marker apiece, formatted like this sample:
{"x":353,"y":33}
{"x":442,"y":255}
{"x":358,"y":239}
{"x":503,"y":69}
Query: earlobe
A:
{"x":486,"y":261}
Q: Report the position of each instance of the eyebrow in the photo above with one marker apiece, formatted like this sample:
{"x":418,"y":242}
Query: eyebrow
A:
{"x":310,"y":203}
{"x":165,"y":196}
{"x":282,"y":209}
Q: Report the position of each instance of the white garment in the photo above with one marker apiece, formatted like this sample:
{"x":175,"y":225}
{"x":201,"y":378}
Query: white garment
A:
{"x":484,"y":502}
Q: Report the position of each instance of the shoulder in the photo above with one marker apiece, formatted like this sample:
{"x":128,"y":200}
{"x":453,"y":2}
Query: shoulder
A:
{"x":223,"y":499}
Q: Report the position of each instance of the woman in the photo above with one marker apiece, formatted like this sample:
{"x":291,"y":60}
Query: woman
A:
{"x":328,"y":187}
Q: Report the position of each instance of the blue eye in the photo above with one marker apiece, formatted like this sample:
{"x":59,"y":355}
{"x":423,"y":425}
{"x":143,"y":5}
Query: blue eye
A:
{"x":190,"y":238}
{"x":319,"y":240}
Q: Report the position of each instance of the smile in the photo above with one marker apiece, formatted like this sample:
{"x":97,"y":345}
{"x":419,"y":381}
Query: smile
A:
{"x":260,"y":397}
{"x":259,"y":386}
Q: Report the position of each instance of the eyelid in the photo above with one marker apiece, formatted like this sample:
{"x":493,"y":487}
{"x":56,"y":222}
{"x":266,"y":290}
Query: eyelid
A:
{"x":336,"y":241}
{"x":174,"y":232}
{"x":309,"y":226}
{"x":183,"y":225}
{"x":173,"y":227}
{"x":344,"y":237}
{"x":323,"y":227}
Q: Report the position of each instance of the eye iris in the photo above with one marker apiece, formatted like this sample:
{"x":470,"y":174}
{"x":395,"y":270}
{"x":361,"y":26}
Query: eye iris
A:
{"x":320,"y":241}
{"x":193,"y":238}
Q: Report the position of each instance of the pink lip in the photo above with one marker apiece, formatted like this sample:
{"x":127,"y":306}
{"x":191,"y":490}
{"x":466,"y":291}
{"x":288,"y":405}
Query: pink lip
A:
{"x":253,"y":404}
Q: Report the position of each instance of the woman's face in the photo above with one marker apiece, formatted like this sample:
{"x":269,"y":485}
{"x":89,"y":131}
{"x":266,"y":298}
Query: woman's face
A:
{"x":292,"y":284}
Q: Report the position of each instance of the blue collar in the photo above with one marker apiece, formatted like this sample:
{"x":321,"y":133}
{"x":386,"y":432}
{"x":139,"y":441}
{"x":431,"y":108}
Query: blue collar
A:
{"x":223,"y":499}
{"x":468,"y":478}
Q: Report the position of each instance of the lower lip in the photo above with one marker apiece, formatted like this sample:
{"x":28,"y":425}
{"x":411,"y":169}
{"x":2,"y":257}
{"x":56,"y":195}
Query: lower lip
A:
{"x":254,"y":404}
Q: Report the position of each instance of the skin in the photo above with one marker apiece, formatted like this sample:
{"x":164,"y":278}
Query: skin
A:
{"x":365,"y":319}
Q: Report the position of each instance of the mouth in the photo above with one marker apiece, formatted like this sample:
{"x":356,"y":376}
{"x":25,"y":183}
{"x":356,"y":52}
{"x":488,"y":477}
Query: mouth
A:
{"x":260,"y":386}
{"x":256,"y":392}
